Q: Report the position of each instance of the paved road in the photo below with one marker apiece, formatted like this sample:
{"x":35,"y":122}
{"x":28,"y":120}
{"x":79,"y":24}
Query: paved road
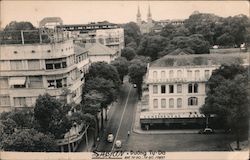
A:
{"x":121,"y":117}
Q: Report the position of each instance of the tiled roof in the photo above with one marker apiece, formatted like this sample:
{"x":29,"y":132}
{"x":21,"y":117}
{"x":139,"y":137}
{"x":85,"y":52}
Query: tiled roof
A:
{"x":99,"y":49}
{"x":200,"y":60}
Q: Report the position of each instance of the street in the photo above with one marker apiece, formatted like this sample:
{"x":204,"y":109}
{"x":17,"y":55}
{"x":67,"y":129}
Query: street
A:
{"x":121,"y":120}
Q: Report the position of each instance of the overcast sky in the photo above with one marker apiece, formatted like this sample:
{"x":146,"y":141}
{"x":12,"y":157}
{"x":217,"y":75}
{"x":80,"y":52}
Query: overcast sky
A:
{"x":79,"y":12}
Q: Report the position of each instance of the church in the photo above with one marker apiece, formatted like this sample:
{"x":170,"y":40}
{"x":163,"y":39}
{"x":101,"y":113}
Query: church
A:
{"x":145,"y":27}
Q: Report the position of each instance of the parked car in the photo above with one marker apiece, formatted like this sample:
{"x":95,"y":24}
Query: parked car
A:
{"x":110,"y":138}
{"x":118,"y":144}
{"x":206,"y":131}
{"x":134,"y":85}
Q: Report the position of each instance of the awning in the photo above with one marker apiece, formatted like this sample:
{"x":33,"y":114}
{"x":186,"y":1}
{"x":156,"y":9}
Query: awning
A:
{"x":17,"y":80}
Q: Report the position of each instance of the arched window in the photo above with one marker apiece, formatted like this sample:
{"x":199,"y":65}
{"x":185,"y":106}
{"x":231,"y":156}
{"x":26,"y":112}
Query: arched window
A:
{"x":155,"y":75}
{"x":155,"y":103}
{"x":190,"y":88}
{"x":171,"y":73}
{"x":179,"y":103}
{"x":189,"y":74}
{"x":179,"y":74}
{"x":163,"y":75}
{"x":179,"y":88}
{"x":193,"y":101}
{"x":163,"y":103}
{"x":197,"y":74}
{"x":171,"y":103}
{"x":196,"y":88}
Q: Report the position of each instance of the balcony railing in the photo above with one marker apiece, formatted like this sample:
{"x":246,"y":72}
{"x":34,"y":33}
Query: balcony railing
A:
{"x":172,"y":80}
{"x":72,"y":138}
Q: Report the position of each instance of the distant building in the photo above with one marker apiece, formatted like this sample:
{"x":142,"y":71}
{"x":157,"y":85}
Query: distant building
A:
{"x":108,"y":34}
{"x":52,"y":65}
{"x":177,"y":88}
{"x":98,"y":52}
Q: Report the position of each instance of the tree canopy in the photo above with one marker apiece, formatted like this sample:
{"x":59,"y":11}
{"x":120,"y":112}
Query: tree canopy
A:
{"x":51,"y":115}
{"x":128,"y":53}
{"x":228,"y":98}
{"x":121,"y":65}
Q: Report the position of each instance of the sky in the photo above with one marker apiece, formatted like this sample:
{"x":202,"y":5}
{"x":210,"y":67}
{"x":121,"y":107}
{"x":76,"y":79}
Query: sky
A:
{"x":82,"y":12}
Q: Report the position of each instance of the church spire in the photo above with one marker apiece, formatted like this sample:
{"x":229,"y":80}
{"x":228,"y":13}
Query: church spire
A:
{"x":138,"y":12}
{"x":149,"y":12}
{"x":138,"y":17}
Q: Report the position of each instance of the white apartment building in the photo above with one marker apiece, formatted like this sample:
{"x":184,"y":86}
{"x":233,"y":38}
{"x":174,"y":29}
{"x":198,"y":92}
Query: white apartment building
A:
{"x":30,"y":70}
{"x":177,"y":87}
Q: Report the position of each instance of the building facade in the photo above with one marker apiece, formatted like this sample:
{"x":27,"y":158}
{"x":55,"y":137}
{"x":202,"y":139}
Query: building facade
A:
{"x":30,"y":70}
{"x":177,"y":89}
{"x":108,"y":34}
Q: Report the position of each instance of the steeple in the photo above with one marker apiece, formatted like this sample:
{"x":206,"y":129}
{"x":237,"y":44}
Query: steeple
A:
{"x":138,"y":17}
{"x":138,"y":12}
{"x":149,"y":12}
{"x":149,"y":15}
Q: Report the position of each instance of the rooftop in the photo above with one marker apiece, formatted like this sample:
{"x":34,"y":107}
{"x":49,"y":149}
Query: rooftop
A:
{"x":201,"y":60}
{"x":79,"y":49}
{"x":98,"y":49}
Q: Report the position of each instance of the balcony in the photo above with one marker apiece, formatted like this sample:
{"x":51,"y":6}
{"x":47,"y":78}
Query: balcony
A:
{"x":176,"y":80}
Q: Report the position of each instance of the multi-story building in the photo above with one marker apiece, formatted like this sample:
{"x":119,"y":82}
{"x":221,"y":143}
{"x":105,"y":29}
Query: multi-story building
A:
{"x":177,"y":88}
{"x":108,"y":34}
{"x":31,"y":69}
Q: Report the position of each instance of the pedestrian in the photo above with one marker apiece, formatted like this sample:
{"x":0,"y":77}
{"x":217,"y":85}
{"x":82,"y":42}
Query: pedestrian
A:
{"x":128,"y":133}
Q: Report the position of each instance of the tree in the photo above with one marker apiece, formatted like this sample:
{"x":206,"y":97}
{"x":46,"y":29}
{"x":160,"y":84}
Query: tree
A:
{"x":29,"y":140}
{"x":137,"y":70}
{"x":51,"y":116}
{"x":23,"y":118}
{"x":225,"y":40}
{"x":13,"y":25}
{"x":228,"y":98}
{"x":104,"y":70}
{"x":151,"y":45}
{"x":106,"y":88}
{"x":131,"y":33}
{"x":128,"y":53}
{"x":121,"y":65}
{"x":9,"y":126}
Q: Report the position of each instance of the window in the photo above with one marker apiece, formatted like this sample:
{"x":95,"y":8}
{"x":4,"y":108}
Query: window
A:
{"x":189,"y":74}
{"x":195,"y":88}
{"x":207,"y":74}
{"x":33,"y":51}
{"x":33,"y":65}
{"x":163,"y":103}
{"x":155,"y":89}
{"x":15,"y":52}
{"x":179,"y":88}
{"x":179,"y":102}
{"x":155,"y":103}
{"x":35,"y":82}
{"x":193,"y":101}
{"x":179,"y":74}
{"x":197,"y":74}
{"x":171,"y":73}
{"x":171,"y":88}
{"x":4,"y":83}
{"x":48,"y":51}
{"x":190,"y":88}
{"x":16,"y":65}
{"x":57,"y":83}
{"x":19,"y":101}
{"x":4,"y":100}
{"x":171,"y":103}
{"x":163,"y":89}
{"x":56,"y":63}
{"x":155,"y":75}
{"x":163,"y":75}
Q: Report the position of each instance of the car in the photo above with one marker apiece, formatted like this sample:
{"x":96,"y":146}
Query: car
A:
{"x":206,"y":131}
{"x":134,"y":85}
{"x":118,"y":144}
{"x":110,"y":138}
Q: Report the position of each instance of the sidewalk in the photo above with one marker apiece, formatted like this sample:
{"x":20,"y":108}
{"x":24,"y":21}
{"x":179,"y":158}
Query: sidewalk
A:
{"x":137,"y":128}
{"x":244,"y":146}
